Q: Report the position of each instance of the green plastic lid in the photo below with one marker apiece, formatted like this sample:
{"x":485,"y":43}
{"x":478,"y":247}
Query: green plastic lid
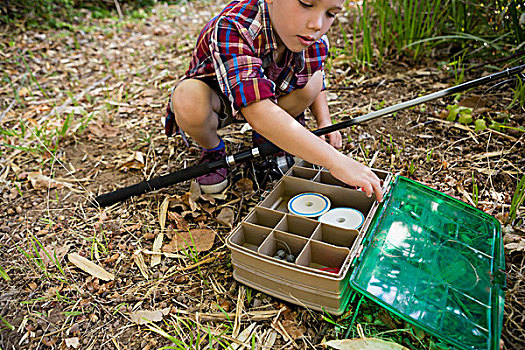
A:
{"x":437,"y":263}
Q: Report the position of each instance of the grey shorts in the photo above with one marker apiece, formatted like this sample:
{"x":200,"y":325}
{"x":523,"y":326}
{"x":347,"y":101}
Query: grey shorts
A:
{"x":225,"y":114}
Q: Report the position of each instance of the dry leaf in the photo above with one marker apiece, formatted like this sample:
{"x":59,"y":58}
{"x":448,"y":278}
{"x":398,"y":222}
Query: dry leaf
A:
{"x":132,"y":164}
{"x":79,"y":110}
{"x":180,"y":222}
{"x":199,"y":239}
{"x":149,"y":235}
{"x":243,"y":336}
{"x":270,"y":339}
{"x":52,"y":254}
{"x":102,"y":130}
{"x":42,"y":182}
{"x":193,"y":205}
{"x":167,"y":255}
{"x":146,"y":316}
{"x":72,"y":342}
{"x":207,"y":198}
{"x":90,"y":267}
{"x":149,"y":92}
{"x":157,"y":244}
{"x":226,"y":217}
{"x":293,"y":329}
{"x":244,"y":186}
{"x":473,"y":101}
{"x":138,"y":258}
{"x":516,"y":247}
{"x":155,"y":259}
{"x":364,"y":344}
{"x":135,"y":161}
{"x":195,"y":191}
{"x":23,"y":92}
{"x":162,"y":212}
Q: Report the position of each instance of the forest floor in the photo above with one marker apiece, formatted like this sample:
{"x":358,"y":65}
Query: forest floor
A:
{"x":80,"y":115}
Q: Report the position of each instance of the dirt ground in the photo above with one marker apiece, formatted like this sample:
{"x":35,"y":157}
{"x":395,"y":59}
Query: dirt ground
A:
{"x":85,"y":120}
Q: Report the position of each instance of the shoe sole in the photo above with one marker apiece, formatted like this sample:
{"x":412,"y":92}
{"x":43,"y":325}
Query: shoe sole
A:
{"x":215,"y":188}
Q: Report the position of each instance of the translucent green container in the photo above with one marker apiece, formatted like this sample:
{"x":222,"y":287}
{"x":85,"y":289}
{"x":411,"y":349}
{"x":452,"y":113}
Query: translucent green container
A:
{"x":437,"y":263}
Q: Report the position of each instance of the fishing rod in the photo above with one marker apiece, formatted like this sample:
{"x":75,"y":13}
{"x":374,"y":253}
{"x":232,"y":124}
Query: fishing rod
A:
{"x":268,"y":148}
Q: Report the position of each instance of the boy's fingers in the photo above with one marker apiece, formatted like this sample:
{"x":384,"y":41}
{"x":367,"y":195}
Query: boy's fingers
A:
{"x":378,"y":191}
{"x":336,"y":140}
{"x":368,"y":189}
{"x":373,"y":186}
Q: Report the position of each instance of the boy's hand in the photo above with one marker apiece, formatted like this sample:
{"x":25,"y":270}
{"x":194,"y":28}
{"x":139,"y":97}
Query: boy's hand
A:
{"x":352,"y":172}
{"x":334,"y":138}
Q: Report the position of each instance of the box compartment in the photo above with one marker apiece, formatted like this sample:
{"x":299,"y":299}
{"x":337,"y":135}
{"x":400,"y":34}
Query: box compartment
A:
{"x":288,"y":187}
{"x":248,"y":237}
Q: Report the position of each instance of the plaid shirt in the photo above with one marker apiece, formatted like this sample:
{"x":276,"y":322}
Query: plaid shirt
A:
{"x":238,"y":48}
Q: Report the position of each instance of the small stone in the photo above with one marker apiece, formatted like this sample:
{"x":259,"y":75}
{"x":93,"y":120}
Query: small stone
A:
{"x":290,"y":258}
{"x":257,"y":302}
{"x":277,"y":257}
{"x":74,"y":328}
{"x":281,"y":253}
{"x":10,"y":211}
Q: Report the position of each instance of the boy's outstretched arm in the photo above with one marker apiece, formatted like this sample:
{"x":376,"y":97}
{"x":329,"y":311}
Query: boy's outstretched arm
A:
{"x":319,"y":109}
{"x":276,"y":125}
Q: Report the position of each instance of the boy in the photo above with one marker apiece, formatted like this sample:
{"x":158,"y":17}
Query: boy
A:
{"x":262,"y":60}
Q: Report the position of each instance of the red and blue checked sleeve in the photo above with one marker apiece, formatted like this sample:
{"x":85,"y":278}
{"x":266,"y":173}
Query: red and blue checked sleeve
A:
{"x":238,"y":69}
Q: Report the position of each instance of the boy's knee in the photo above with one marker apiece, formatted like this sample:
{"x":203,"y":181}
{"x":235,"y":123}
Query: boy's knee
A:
{"x":190,"y":102}
{"x":313,"y":88}
{"x":315,"y":84}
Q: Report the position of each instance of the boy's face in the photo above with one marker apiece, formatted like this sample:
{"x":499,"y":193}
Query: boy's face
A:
{"x":300,"y":23}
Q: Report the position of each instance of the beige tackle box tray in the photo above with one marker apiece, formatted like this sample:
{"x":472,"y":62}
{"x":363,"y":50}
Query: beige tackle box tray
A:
{"x":317,"y":247}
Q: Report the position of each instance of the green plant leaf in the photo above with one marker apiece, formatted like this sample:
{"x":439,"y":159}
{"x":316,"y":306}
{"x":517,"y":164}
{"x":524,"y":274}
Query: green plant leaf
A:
{"x":452,"y":113}
{"x":465,"y":118}
{"x":480,"y":125}
{"x":4,"y":274}
{"x":495,"y":126}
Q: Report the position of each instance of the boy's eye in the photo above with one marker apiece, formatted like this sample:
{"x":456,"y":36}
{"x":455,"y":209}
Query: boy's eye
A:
{"x":304,"y":4}
{"x":330,"y":14}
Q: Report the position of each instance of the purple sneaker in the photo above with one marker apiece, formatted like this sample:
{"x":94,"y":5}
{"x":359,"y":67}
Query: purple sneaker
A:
{"x":217,"y":180}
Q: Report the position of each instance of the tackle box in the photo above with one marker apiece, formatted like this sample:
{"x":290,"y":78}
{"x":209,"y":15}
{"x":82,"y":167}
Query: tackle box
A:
{"x":431,"y":259}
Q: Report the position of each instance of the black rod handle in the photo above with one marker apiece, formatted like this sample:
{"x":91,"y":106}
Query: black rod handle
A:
{"x":268,"y":148}
{"x":124,"y":193}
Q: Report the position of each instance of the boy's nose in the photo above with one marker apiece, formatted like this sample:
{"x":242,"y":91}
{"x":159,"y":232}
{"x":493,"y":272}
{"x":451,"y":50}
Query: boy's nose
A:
{"x":315,"y":22}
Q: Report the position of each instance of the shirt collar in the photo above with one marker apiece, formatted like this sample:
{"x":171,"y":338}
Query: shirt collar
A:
{"x":270,"y":49}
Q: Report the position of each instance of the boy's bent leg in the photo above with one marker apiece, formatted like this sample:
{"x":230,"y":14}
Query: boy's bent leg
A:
{"x":195,"y":104}
{"x":297,"y":101}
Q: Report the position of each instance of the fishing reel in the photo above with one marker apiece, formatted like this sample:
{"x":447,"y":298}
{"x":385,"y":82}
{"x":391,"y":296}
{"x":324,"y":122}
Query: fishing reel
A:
{"x":271,"y":168}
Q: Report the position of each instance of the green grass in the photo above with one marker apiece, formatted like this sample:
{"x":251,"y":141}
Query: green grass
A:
{"x":519,"y":94}
{"x":35,"y":256}
{"x":185,"y":333}
{"x":410,"y":28}
{"x":4,"y":274}
{"x":7,"y":324}
{"x":517,"y":199}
